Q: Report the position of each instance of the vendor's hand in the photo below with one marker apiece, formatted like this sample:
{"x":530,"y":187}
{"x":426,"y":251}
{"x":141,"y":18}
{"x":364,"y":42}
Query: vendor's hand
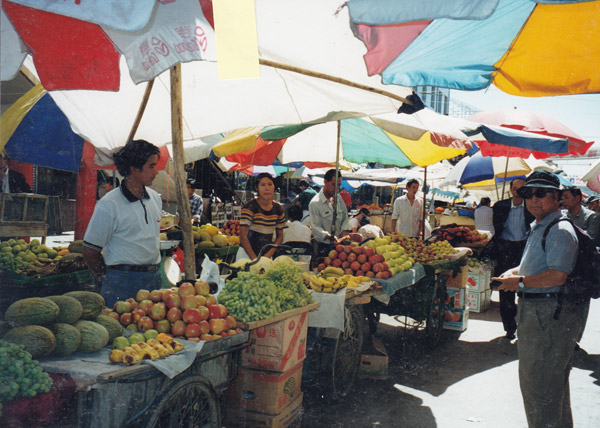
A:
{"x":509,"y":282}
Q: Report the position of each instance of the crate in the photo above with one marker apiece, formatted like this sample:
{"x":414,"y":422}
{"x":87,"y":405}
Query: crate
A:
{"x":456,"y":297}
{"x":479,"y":301}
{"x":460,"y":279}
{"x":478,"y":280}
{"x":459,"y":320}
{"x":291,"y":417}
{"x":23,"y":207}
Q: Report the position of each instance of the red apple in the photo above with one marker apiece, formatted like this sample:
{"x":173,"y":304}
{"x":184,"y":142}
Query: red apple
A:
{"x":365,"y":267}
{"x":336,"y":263}
{"x":347,"y":249}
{"x":145,"y":324}
{"x":204,"y":327}
{"x":223,"y":310}
{"x":360,"y":273}
{"x":114,"y":315}
{"x":125,"y":319}
{"x":186,"y":289}
{"x":369,"y":252}
{"x":192,"y":315}
{"x":379,"y":275}
{"x":142,"y":295}
{"x":238,"y":330}
{"x":178,"y":328}
{"x":158,"y":311}
{"x":370,"y":274}
{"x":321,"y":266}
{"x":339,"y":249}
{"x":352,"y":257}
{"x":327,"y":261}
{"x":163,"y":326}
{"x":348,"y":271}
{"x":204,"y":312}
{"x":121,"y":307}
{"x":137,"y":314}
{"x":342,"y":256}
{"x":172,"y":300}
{"x":358,"y":250}
{"x":156,"y":295}
{"x":200,"y":300}
{"x":231,"y":321}
{"x":355,"y":266}
{"x":207,"y":337}
{"x":216,"y":325}
{"x":378,"y":267}
{"x":373,"y":259}
{"x":146,"y":305}
{"x":224,"y":333}
{"x":174,"y":314}
{"x":214,"y":311}
{"x":332,"y":254}
{"x":192,"y":330}
{"x":386,"y":274}
{"x":211,"y":300}
{"x":361,"y":258}
{"x":134,"y":304}
{"x":345,"y":264}
{"x":202,"y":288}
{"x":189,"y":302}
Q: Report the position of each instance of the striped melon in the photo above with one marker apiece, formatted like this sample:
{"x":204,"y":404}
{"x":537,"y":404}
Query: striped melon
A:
{"x":92,"y":303}
{"x":68,"y":339}
{"x":37,"y":340}
{"x":93,"y":336}
{"x":32,"y":311}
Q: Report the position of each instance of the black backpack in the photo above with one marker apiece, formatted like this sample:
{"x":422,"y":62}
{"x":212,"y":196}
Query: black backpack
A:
{"x":584,"y":281}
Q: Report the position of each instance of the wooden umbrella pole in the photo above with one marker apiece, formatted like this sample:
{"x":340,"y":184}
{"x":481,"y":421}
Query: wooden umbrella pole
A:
{"x":183,"y":202}
{"x":505,"y":171}
{"x":424,"y":204}
{"x":331,"y":78}
{"x":141,"y":110}
{"x":337,"y":171}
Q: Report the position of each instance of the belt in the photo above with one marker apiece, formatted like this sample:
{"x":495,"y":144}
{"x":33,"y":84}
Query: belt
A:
{"x":135,"y":268}
{"x":537,"y":295}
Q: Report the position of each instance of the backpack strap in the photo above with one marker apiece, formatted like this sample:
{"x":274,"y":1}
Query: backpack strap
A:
{"x":561,"y":293}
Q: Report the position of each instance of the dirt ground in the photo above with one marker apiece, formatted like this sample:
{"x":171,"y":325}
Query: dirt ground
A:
{"x":468,"y":380}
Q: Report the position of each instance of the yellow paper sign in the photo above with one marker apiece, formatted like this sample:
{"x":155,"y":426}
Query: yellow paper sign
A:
{"x":235,"y":32}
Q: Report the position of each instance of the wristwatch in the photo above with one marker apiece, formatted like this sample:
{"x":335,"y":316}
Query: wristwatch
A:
{"x":521,"y":282}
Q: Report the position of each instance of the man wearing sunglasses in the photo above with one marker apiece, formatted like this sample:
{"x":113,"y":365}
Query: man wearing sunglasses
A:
{"x":511,"y":225}
{"x":545,"y":345}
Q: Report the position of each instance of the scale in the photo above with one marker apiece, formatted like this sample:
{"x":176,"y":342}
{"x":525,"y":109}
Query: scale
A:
{"x":170,"y":273}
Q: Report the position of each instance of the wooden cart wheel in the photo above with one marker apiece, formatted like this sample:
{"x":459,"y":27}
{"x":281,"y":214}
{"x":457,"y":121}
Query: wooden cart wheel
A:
{"x":347,"y":352}
{"x":435,"y":317}
{"x":188,"y":402}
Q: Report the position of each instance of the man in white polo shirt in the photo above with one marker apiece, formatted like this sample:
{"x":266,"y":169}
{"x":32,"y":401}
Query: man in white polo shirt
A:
{"x":121,"y":243}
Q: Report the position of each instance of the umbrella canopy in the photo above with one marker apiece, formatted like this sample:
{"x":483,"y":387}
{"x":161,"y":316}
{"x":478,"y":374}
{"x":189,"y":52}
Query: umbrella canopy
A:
{"x":362,"y":141}
{"x":563,"y":141}
{"x":485,"y":170}
{"x":472,"y":44}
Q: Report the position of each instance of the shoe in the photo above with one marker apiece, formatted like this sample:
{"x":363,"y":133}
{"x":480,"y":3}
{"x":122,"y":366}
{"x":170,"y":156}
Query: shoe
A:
{"x":510,"y":335}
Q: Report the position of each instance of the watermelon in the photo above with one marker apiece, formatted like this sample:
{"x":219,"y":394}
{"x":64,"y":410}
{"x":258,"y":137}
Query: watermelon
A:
{"x":70,"y":309}
{"x":94,"y":336}
{"x":68,"y":339}
{"x":32,"y":311}
{"x":37,"y":340}
{"x":92,"y":303}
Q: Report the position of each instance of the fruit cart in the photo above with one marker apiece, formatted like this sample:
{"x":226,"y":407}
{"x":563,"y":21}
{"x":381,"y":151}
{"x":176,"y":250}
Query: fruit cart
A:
{"x":141,"y":395}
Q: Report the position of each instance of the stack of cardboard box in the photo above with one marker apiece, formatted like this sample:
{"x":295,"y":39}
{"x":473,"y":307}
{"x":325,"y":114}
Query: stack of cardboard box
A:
{"x":456,"y":311}
{"x":267,"y":389}
{"x":478,"y":288}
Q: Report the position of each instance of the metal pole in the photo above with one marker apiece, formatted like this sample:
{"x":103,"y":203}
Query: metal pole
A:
{"x":337,"y":170}
{"x":424,"y":204}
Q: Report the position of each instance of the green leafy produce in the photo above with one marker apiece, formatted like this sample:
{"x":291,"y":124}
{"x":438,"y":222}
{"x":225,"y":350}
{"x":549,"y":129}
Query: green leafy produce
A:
{"x":20,"y":375}
{"x":253,"y":297}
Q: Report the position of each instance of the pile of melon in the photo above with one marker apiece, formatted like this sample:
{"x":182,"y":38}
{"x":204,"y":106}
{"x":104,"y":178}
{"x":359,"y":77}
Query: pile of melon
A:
{"x":209,"y":236}
{"x":60,"y":325}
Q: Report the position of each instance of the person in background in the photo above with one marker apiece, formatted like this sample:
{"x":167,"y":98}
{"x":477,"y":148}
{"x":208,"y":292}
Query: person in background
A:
{"x":484,"y":216}
{"x":368,"y":230}
{"x":11,"y":181}
{"x":593,"y":203}
{"x":546,"y":345}
{"x":105,"y":184}
{"x":512,"y":223}
{"x":196,"y":203}
{"x":260,"y":218}
{"x":355,"y":221}
{"x":296,"y":231}
{"x":408,"y":211}
{"x":321,"y":215}
{"x":587,"y":220}
{"x":305,"y":196}
{"x":121,"y":243}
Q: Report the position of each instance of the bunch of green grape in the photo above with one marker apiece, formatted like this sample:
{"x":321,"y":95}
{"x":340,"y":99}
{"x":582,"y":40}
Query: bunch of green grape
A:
{"x":250,"y":297}
{"x":292,"y":292}
{"x":20,"y":375}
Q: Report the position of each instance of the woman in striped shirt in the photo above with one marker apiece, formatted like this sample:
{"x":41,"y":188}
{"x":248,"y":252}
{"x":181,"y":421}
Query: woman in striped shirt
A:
{"x":260,"y":218}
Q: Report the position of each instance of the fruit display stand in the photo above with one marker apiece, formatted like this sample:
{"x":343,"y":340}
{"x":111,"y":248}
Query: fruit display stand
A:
{"x":108,"y":395}
{"x":23,"y":215}
{"x":226,"y":254}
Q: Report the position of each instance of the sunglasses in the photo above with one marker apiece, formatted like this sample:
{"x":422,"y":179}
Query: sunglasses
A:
{"x":528,"y":192}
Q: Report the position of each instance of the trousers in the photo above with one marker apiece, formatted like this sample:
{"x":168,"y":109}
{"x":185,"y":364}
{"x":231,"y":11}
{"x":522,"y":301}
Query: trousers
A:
{"x":508,"y":255}
{"x":121,"y":285}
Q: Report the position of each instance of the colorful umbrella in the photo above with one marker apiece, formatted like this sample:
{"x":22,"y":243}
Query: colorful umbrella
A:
{"x":525,"y":48}
{"x":528,"y":121}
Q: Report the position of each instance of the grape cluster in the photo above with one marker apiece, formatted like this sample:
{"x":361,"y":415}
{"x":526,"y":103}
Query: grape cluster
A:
{"x":20,"y":375}
{"x":292,"y":291}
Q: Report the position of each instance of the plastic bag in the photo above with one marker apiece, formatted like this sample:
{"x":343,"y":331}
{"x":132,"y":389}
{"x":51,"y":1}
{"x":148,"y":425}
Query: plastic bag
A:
{"x":210,"y":271}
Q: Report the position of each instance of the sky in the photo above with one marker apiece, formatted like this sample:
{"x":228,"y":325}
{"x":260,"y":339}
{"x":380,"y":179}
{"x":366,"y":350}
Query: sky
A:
{"x":581,"y":113}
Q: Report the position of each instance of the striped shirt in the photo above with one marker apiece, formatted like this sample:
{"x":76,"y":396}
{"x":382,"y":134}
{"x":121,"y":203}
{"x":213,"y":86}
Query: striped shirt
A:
{"x":262,"y":221}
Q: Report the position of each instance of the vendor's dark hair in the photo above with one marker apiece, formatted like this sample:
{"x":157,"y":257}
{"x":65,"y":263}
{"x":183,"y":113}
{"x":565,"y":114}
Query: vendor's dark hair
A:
{"x":191,"y":182}
{"x":573,"y":190}
{"x":411,"y":182}
{"x":135,"y":154}
{"x":485,"y":201}
{"x":330,"y":175}
{"x":365,"y":220}
{"x":260,"y":177}
{"x":295,"y":213}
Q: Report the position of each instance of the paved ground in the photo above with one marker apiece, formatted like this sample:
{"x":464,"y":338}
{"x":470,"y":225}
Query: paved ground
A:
{"x":470,"y":381}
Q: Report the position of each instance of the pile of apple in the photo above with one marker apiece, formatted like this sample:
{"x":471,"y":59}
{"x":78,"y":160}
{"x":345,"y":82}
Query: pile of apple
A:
{"x":186,"y":312}
{"x":358,"y":261}
{"x":231,"y":228}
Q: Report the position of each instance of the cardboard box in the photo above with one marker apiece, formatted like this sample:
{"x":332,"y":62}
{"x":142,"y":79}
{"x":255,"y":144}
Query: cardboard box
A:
{"x":459,"y":322}
{"x":478,"y":280}
{"x":459,"y":280}
{"x":263,"y":391}
{"x":278,"y":346}
{"x":374,"y":364}
{"x":457,"y":297}
{"x":291,"y":417}
{"x":479,"y":301}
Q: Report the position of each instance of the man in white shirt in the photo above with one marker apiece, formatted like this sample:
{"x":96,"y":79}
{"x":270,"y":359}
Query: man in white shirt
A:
{"x":296,"y":231}
{"x":408,"y":211}
{"x":484,"y":216}
{"x":368,"y":230}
